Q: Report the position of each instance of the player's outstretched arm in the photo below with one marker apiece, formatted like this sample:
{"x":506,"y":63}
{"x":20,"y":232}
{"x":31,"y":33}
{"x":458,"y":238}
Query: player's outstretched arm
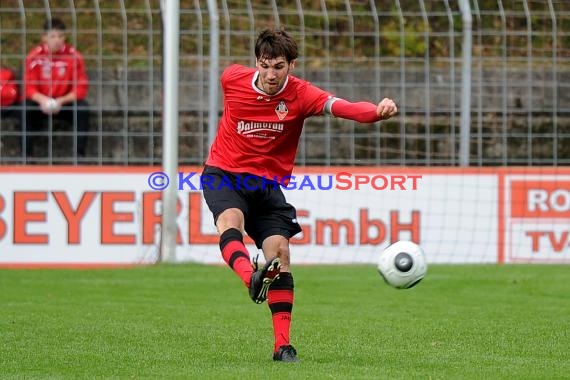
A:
{"x":362,"y":112}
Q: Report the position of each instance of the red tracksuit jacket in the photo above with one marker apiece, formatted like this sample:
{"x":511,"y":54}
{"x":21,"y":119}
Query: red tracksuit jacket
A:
{"x":55,"y":74}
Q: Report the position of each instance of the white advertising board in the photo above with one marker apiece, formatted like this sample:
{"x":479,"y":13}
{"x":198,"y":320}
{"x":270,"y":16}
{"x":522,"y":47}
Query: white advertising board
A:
{"x":82,"y":216}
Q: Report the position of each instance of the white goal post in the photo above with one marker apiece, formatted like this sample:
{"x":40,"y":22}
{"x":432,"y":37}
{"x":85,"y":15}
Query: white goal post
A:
{"x":170,"y":10}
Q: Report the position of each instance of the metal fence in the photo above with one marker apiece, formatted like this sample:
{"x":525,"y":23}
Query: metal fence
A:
{"x":410,"y":50}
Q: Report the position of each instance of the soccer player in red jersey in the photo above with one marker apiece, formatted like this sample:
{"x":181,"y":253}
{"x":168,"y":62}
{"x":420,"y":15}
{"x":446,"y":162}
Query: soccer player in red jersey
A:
{"x":253,"y":153}
{"x":56,"y":86}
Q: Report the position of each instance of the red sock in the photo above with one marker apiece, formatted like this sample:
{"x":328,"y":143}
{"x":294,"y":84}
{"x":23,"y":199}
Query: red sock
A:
{"x":235,"y":254}
{"x":280,"y":300}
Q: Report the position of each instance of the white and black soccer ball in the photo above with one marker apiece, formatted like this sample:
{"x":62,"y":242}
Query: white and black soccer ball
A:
{"x":402,"y":264}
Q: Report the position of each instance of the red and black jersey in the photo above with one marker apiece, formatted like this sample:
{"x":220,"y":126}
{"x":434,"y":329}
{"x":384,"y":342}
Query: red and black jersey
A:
{"x":55,"y":74}
{"x":259,"y":133}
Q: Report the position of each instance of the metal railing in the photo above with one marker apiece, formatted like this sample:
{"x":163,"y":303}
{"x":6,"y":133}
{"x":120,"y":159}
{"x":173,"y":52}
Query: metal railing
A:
{"x":412,"y":51}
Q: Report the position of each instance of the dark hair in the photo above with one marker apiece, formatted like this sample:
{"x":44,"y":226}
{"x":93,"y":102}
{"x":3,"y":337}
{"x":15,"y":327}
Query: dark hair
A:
{"x":273,"y":43}
{"x":54,"y":24}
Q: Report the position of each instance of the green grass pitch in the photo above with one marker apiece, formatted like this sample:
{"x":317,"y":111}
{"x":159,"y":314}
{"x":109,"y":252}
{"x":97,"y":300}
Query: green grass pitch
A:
{"x":192,"y":321}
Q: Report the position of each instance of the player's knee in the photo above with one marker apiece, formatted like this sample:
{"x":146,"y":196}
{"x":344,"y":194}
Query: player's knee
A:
{"x":230,"y":218}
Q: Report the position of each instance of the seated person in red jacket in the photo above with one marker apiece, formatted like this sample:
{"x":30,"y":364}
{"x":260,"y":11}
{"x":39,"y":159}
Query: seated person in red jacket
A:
{"x":56,"y":86}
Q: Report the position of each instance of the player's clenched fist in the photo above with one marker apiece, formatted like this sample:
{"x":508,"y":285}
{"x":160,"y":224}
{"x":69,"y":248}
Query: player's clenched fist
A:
{"x":386,"y":108}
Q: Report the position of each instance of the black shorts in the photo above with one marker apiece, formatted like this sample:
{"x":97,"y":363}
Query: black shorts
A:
{"x":262,"y":202}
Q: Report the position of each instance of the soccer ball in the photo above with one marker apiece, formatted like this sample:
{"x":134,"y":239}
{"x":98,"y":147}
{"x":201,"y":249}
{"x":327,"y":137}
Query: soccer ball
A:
{"x":403,"y":264}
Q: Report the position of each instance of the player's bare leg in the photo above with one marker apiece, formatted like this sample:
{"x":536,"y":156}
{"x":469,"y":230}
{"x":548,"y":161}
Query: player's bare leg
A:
{"x":230,"y":218}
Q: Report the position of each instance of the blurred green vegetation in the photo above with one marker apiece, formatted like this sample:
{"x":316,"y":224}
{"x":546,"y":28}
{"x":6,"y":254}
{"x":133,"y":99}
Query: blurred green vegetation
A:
{"x":129,"y":33}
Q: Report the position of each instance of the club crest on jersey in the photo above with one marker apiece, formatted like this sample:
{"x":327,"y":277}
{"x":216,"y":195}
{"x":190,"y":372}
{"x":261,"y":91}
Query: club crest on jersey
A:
{"x":281,"y":110}
{"x":61,"y":68}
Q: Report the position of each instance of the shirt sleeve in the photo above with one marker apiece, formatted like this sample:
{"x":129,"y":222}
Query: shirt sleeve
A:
{"x":315,"y":99}
{"x":228,"y":74}
{"x":362,"y":112}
